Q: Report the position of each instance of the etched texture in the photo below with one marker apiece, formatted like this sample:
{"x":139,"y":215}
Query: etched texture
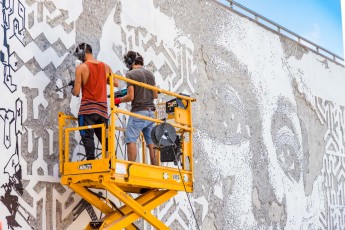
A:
{"x":269,"y":141}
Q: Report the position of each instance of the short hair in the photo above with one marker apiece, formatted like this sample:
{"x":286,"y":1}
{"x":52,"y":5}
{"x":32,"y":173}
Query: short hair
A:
{"x":87,"y":47}
{"x":133,"y":58}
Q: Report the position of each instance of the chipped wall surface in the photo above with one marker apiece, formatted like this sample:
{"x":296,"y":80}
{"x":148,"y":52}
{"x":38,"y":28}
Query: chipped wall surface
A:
{"x":269,"y":117}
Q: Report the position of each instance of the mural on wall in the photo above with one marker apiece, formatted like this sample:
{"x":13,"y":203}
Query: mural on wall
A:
{"x":256,"y":164}
{"x":12,"y":121}
{"x":168,"y":54}
{"x":254,"y":145}
{"x":13,"y":27}
{"x":33,"y":185}
{"x":333,"y":170}
{"x":170,"y":58}
{"x":30,"y":183}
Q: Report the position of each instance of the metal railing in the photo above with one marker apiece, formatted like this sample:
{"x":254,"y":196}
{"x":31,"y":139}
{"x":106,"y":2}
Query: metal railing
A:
{"x":264,"y":22}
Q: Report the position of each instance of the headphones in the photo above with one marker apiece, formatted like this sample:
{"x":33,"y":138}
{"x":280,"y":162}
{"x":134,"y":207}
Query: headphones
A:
{"x":80,"y":53}
{"x":129,"y":62}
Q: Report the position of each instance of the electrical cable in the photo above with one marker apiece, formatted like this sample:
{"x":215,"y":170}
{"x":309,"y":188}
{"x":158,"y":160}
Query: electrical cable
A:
{"x":184,"y":186}
{"x":173,"y":145}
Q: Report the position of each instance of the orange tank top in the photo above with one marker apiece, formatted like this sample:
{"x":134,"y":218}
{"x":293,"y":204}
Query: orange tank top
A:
{"x":94,"y":92}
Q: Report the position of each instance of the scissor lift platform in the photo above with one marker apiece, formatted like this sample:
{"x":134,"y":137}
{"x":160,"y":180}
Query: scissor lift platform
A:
{"x":154,"y":184}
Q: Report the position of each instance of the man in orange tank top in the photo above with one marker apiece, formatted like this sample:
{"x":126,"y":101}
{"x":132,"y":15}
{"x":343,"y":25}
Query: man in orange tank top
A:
{"x":91,"y":81}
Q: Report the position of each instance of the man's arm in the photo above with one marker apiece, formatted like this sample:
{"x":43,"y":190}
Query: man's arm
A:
{"x":109,"y":71}
{"x":129,"y":96}
{"x":78,"y":80}
{"x":155,"y":94}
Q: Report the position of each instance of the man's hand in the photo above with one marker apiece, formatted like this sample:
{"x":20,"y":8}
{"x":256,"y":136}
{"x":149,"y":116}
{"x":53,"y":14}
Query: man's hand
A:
{"x":117,"y":101}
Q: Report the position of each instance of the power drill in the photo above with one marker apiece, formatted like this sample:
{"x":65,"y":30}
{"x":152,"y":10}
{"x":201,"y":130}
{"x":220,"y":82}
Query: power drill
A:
{"x":120,"y":93}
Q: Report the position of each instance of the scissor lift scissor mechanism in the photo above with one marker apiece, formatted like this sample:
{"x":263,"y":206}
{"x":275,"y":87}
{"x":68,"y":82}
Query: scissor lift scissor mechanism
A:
{"x":154,"y":184}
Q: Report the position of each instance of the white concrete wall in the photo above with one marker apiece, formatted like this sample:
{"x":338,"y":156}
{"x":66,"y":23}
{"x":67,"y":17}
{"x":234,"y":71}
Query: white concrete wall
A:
{"x":269,"y":145}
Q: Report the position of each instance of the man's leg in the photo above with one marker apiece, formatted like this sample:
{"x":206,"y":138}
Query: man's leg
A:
{"x":87,"y":136}
{"x":101,"y":120}
{"x":147,"y":135}
{"x":132,"y":151}
{"x":134,"y":126}
{"x":153,"y":156}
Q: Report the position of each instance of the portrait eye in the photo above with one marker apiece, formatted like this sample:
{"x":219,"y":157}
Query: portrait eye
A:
{"x":236,"y":128}
{"x":230,"y":115}
{"x":288,"y":151}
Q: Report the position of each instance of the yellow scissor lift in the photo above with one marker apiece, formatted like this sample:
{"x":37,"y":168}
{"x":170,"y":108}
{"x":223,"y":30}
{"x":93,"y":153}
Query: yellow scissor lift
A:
{"x":120,"y":177}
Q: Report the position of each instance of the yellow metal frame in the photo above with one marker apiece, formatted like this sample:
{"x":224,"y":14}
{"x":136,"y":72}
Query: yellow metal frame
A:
{"x":121,"y":176}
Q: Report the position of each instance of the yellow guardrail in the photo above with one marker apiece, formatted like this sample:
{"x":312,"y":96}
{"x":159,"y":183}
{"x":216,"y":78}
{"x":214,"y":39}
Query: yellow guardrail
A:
{"x":182,"y":122}
{"x":120,"y":176}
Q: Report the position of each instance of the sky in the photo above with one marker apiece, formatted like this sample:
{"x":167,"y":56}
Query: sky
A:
{"x":316,"y":20}
{"x":343,"y":22}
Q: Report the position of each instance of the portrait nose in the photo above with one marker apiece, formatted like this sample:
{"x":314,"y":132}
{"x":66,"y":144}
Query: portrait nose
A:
{"x":269,"y":207}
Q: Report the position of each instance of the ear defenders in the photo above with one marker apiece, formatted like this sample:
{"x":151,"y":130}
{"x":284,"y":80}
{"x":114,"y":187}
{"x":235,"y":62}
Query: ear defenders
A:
{"x":80,"y":53}
{"x":129,"y":62}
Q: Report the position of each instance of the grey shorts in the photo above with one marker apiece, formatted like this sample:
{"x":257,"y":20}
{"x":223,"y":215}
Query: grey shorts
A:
{"x":137,"y":125}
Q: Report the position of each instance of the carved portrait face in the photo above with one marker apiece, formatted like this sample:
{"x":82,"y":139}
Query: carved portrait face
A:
{"x":226,"y":161}
{"x":280,"y":195}
{"x":227,"y":117}
{"x":251,"y":149}
{"x":255,"y":159}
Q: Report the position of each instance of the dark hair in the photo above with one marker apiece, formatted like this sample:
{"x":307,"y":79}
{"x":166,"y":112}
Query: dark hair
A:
{"x":87,"y":47}
{"x":133,"y":58}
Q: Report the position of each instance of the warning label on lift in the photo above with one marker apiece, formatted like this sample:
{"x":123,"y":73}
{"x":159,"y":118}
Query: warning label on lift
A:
{"x":85,"y":166}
